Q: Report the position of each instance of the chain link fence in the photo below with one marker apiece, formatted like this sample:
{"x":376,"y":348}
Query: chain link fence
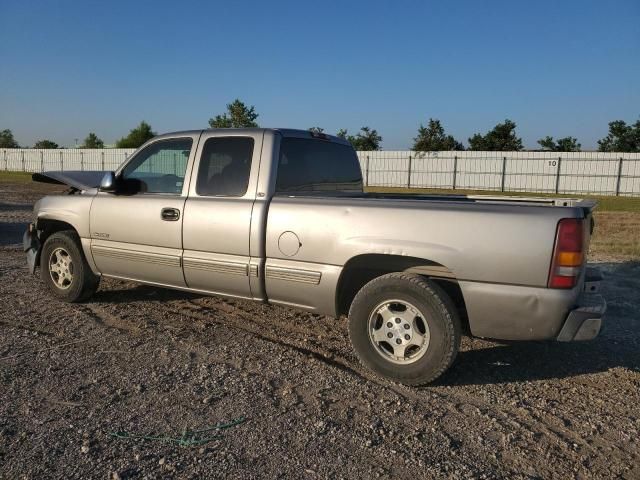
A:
{"x":543,"y":172}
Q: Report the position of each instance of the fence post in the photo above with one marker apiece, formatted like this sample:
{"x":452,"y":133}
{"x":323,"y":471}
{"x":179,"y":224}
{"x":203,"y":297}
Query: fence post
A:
{"x":366,"y":183}
{"x":409,"y":173}
{"x":558,"y":176}
{"x":41,"y":161}
{"x":102,"y":159}
{"x":82,"y":161}
{"x":504,"y":171}
{"x":455,"y":170}
{"x":619,"y":176}
{"x":61,"y":162}
{"x":23,"y":161}
{"x":6,"y":160}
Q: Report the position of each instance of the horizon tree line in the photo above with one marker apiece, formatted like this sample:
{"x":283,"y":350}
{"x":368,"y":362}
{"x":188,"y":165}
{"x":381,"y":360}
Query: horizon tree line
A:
{"x":621,"y":137}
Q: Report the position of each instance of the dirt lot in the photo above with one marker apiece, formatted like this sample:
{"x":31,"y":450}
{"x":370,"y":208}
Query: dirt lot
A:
{"x":144,"y":360}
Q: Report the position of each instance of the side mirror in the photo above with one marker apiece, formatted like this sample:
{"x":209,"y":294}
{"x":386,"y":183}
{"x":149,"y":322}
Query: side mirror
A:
{"x":108,"y":182}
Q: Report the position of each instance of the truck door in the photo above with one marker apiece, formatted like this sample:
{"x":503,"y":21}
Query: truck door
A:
{"x":218,"y":212}
{"x":139,"y":236}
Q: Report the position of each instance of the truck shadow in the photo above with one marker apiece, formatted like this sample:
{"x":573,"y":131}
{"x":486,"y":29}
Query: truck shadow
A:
{"x":9,"y":206}
{"x":11,"y":233}
{"x":617,"y":346}
{"x":135,"y":292}
{"x":12,"y":225}
{"x":526,"y":362}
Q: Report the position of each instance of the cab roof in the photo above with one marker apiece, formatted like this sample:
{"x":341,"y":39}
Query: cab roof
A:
{"x":285,"y":132}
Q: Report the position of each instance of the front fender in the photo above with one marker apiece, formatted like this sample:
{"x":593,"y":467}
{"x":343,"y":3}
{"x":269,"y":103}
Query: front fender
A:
{"x":71,"y":209}
{"x":53,"y":213}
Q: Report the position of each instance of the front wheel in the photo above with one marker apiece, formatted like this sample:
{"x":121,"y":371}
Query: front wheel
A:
{"x":65,"y":270}
{"x":404,"y":327}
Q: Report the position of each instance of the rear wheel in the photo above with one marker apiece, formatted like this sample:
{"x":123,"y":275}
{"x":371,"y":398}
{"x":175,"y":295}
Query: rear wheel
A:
{"x":64,"y":268}
{"x":405,"y":328}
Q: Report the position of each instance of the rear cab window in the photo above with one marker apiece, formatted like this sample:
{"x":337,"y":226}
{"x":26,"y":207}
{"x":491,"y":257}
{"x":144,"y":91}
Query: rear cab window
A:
{"x":307,"y":165}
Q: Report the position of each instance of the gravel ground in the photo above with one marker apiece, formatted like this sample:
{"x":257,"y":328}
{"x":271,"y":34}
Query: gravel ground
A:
{"x":145,"y":360}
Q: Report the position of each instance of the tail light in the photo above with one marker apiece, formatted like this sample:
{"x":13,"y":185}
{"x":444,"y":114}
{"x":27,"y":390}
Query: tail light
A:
{"x":568,"y":255}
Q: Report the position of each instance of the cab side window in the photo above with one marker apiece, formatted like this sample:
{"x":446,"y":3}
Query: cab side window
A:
{"x":225,"y":166}
{"x":160,"y":167}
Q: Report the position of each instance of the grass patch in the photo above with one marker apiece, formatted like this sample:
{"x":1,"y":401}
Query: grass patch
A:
{"x":617,"y":235}
{"x":15,"y":177}
{"x":605,"y":203}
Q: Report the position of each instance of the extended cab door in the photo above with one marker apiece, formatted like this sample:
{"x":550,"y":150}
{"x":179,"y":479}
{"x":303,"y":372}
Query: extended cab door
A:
{"x":218,"y":213}
{"x":139,"y":236}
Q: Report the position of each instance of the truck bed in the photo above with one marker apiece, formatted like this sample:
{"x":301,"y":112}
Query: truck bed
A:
{"x":514,"y":200}
{"x":587,"y":205}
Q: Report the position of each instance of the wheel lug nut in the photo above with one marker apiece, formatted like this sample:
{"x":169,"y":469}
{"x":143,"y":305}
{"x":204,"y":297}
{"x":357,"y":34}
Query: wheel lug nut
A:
{"x":407,"y":337}
{"x":390,"y":335}
{"x":398,"y":341}
{"x":406,"y":326}
{"x":398,"y":320}
{"x":389,"y":324}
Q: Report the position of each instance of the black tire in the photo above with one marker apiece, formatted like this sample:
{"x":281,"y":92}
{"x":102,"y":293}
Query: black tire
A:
{"x":440,"y":316}
{"x":82,"y":283}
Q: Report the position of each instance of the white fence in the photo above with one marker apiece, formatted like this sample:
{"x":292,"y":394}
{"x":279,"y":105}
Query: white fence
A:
{"x":545,"y":172}
{"x":551,"y":172}
{"x":42,"y":160}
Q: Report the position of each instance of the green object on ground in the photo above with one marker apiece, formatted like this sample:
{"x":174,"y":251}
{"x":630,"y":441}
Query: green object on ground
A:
{"x":189,"y":438}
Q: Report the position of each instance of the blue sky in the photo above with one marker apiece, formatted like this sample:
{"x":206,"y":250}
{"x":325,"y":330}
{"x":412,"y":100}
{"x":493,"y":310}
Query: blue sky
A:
{"x":554,"y":67}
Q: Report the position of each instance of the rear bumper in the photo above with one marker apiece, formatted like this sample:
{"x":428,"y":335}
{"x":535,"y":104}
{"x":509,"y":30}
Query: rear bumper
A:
{"x":585,"y":321}
{"x":512,"y":312}
{"x":31,"y":246}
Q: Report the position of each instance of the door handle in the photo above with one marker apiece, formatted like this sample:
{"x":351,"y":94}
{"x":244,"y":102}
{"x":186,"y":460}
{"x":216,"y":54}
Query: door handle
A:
{"x":170,"y":214}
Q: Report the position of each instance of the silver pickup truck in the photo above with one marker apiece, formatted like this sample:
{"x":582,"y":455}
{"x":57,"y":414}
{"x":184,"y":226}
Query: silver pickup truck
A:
{"x":280,"y":216}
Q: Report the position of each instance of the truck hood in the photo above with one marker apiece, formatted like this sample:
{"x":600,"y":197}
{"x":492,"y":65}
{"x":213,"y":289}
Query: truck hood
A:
{"x":76,"y":179}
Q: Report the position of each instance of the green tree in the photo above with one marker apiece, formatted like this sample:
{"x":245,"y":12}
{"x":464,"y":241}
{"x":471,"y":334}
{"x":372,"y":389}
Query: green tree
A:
{"x":137,"y":136}
{"x":365,"y":140}
{"x":7,"y":140}
{"x":621,"y":138}
{"x":238,"y":115}
{"x":501,"y":138}
{"x":92,"y":141}
{"x":566,"y":144}
{"x":432,"y":138}
{"x":316,"y":129}
{"x":45,"y":144}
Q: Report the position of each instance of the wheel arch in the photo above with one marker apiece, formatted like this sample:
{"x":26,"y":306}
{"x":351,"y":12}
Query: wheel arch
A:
{"x":47,"y":227}
{"x":361,"y":269}
{"x":83,"y":282}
